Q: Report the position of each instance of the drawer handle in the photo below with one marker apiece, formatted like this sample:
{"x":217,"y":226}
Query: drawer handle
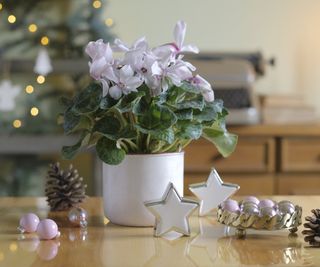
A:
{"x":217,"y":157}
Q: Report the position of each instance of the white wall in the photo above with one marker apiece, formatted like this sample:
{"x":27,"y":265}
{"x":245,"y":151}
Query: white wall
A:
{"x":286,"y":29}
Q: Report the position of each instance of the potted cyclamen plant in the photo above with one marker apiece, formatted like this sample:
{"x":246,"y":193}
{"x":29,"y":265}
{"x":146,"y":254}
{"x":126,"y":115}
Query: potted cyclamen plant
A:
{"x":145,"y":107}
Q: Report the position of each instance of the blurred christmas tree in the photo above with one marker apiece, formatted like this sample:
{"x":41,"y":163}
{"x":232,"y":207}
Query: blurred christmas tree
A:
{"x":64,"y":26}
{"x":41,"y":31}
{"x":41,"y":59}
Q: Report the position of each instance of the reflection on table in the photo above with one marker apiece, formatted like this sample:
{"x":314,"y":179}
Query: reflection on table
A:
{"x":105,"y":244}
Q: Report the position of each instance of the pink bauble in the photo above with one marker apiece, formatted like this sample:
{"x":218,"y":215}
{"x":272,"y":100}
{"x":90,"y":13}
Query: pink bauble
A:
{"x":266,"y":203}
{"x":29,"y":222}
{"x":230,"y":205}
{"x":47,"y":229}
{"x":251,"y":199}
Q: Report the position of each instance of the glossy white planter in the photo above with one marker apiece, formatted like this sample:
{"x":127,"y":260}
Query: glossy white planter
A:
{"x":137,"y":179}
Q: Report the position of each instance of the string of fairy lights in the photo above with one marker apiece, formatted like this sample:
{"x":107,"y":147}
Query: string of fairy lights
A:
{"x":44,"y":41}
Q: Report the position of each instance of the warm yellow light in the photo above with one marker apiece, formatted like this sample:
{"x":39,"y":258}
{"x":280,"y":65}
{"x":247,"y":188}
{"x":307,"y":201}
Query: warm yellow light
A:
{"x":29,"y":89}
{"x":105,"y":220}
{"x":96,"y":4}
{"x":0,"y":6}
{"x":1,"y":256}
{"x":41,"y":79}
{"x":12,"y":19}
{"x":45,"y":40}
{"x":33,"y":28}
{"x":13,"y":247}
{"x":109,"y":22}
{"x":17,"y":123}
{"x":34,"y":111}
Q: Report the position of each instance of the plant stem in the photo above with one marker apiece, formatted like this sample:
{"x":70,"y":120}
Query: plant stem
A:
{"x":133,"y":121}
{"x":168,"y":148}
{"x":186,"y":143}
{"x":156,"y":150}
{"x":124,"y":146}
{"x":132,"y":145}
{"x":148,"y":142}
{"x":122,"y":120}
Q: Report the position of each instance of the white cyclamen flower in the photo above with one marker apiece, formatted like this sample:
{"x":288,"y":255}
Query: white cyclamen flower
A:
{"x":101,"y":65}
{"x":126,"y":82}
{"x":204,"y":86}
{"x":120,"y":46}
{"x":179,"y":34}
{"x":177,"y":46}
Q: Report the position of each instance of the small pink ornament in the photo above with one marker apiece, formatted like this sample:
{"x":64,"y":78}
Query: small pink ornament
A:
{"x":230,"y":205}
{"x":251,"y":199}
{"x":28,"y":223}
{"x":48,"y":229}
{"x":266,"y":203}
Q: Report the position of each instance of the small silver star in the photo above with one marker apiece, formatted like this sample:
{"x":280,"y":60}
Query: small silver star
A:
{"x":212,"y":192}
{"x":172,"y":212}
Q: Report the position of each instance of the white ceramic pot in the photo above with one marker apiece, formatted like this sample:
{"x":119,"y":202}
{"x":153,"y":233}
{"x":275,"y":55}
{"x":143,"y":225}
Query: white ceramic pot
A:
{"x":139,"y":178}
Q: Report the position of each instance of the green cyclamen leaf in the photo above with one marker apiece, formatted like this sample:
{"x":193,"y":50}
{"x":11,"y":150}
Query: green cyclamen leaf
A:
{"x":188,"y":87}
{"x":107,"y":102}
{"x":189,"y":130}
{"x":127,"y":102}
{"x":224,"y":141}
{"x":68,"y":152}
{"x":73,"y":122}
{"x":191,"y":102}
{"x":70,"y":121}
{"x":108,"y":151}
{"x":184,"y":114}
{"x":165,"y":135}
{"x":109,"y":126}
{"x":156,"y":118}
{"x":88,"y":100}
{"x":210,"y":112}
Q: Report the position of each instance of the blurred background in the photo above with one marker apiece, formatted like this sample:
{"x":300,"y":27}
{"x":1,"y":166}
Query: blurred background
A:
{"x":262,"y":58}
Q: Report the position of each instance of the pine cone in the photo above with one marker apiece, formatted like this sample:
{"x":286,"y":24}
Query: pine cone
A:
{"x":64,"y":189}
{"x":312,"y":234}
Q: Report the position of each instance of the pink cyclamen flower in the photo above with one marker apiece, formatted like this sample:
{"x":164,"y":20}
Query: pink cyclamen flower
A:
{"x":126,"y":82}
{"x":204,"y":86}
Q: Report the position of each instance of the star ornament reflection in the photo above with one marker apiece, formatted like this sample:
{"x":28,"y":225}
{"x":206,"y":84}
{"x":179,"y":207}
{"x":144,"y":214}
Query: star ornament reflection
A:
{"x":172,"y":212}
{"x":212,"y":192}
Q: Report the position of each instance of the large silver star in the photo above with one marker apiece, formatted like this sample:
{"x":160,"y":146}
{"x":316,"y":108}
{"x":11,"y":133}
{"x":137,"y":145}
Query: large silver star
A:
{"x":172,"y":212}
{"x":212,"y":192}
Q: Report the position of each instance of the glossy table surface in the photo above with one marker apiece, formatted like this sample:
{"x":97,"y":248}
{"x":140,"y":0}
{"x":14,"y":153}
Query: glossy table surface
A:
{"x":105,"y":244}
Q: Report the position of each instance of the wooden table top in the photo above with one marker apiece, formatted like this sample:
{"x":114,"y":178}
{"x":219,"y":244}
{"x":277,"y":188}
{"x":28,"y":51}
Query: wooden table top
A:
{"x":104,"y":244}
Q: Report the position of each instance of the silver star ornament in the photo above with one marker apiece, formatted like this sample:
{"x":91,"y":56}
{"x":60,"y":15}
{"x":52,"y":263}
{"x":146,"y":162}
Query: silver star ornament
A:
{"x":172,"y":212}
{"x":212,"y":192}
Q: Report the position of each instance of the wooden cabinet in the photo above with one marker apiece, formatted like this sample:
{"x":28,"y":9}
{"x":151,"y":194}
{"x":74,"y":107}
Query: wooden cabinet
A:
{"x":269,"y":159}
{"x":253,"y":154}
{"x":300,"y":154}
{"x":295,"y":184}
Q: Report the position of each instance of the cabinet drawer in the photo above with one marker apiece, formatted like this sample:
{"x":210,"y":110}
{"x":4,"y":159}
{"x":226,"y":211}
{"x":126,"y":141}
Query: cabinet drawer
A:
{"x":300,"y":154}
{"x":299,"y":184}
{"x":249,"y":184}
{"x":251,"y":155}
